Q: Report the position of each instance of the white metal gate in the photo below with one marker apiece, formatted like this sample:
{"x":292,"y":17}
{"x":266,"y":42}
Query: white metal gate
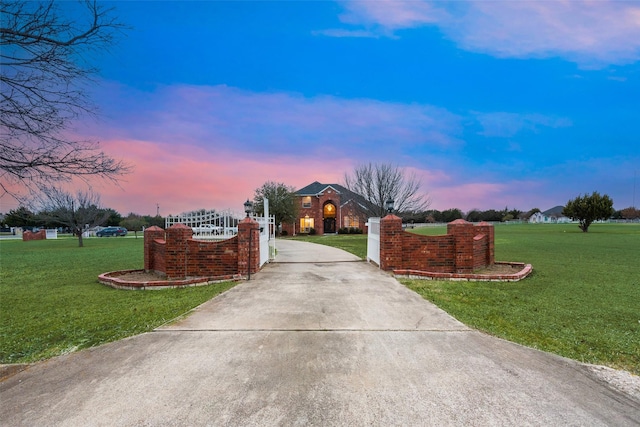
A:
{"x":207,"y":224}
{"x":267,"y":239}
{"x":373,"y":240}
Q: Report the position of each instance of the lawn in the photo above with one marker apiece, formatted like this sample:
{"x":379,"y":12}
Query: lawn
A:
{"x":51,"y":302}
{"x":354,"y":243}
{"x":582,"y":300}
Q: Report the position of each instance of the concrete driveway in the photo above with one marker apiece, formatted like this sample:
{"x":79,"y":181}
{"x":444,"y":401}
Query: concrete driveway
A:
{"x":316,"y":338}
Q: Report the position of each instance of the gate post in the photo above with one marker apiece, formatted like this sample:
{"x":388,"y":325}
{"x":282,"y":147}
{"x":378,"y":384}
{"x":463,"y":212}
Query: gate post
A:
{"x":248,"y":247}
{"x":150,"y":234}
{"x":463,"y":233}
{"x":391,"y":242}
{"x":177,"y":237}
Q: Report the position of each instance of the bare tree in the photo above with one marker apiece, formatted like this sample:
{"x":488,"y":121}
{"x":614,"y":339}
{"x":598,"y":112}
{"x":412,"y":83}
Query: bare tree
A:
{"x":382,"y":181}
{"x":76,"y":211}
{"x":43,"y":81}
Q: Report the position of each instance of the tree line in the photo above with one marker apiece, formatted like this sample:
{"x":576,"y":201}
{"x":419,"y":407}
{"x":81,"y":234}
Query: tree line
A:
{"x":75,"y":214}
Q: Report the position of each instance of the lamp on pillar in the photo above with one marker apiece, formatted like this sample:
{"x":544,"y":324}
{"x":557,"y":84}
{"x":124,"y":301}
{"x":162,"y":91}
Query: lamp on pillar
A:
{"x":389,"y":205}
{"x":248,"y":207}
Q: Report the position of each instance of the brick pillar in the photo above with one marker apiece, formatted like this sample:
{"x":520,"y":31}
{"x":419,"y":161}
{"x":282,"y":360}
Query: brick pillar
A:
{"x":463,"y":233}
{"x":488,"y":230}
{"x":391,"y":242}
{"x":176,"y":250}
{"x":151,"y":234}
{"x":248,"y":246}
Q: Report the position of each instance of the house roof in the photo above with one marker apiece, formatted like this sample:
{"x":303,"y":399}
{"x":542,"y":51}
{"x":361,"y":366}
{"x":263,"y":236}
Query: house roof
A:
{"x":555,"y":211}
{"x":316,"y":188}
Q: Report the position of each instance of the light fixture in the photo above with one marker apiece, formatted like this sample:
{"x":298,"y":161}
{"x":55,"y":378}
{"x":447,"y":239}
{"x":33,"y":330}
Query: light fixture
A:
{"x":248,"y":207}
{"x":389,"y":204}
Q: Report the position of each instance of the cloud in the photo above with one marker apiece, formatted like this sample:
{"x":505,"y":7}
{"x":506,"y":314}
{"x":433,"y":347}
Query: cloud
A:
{"x":340,"y":32}
{"x":206,"y":146}
{"x":505,"y":125}
{"x":391,"y":14}
{"x":222,"y":119}
{"x":591,"y":33}
{"x":189,"y":177}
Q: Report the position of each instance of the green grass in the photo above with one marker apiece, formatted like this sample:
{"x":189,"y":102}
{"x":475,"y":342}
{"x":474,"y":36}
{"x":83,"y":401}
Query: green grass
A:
{"x":582,"y":300}
{"x":353,"y":243}
{"x":51,"y":302}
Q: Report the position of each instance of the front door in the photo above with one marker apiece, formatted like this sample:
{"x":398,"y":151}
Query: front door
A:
{"x":329,"y":225}
{"x":329,"y":214}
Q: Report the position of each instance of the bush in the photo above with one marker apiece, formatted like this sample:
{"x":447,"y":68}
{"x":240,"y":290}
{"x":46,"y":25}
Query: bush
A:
{"x":284,"y":233}
{"x":350,"y":230}
{"x":312,"y":232}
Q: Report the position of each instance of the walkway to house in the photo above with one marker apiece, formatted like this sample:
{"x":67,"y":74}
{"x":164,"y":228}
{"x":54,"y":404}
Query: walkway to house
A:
{"x":313,"y":340}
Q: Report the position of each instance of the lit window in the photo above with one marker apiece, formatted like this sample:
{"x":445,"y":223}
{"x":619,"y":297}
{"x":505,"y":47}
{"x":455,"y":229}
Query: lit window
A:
{"x":306,"y":202}
{"x":351,"y":221}
{"x":306,"y":224}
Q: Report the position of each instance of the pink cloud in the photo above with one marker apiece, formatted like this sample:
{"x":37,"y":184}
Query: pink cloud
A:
{"x":392,"y":14}
{"x":224,"y":118}
{"x":591,"y":33}
{"x":191,"y":177}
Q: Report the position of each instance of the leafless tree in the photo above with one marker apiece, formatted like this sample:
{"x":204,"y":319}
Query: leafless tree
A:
{"x":77,"y":211}
{"x":45,"y":70}
{"x":382,"y":181}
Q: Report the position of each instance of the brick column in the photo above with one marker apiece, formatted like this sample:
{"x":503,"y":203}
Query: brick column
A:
{"x":248,"y":246}
{"x":150,"y":234}
{"x":463,"y":233}
{"x":391,"y":242}
{"x":176,"y":250}
{"x":488,"y":230}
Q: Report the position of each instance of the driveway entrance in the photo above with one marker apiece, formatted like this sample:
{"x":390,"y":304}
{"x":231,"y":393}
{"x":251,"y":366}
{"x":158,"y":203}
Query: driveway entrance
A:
{"x":314,"y":340}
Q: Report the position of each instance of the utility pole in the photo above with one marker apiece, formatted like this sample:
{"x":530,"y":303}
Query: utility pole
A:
{"x":157,"y":209}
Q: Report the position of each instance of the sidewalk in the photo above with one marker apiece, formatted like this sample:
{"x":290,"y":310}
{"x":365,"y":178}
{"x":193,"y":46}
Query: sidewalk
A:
{"x":315,"y":339}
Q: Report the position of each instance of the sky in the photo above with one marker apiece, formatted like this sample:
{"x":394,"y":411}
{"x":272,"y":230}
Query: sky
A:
{"x":492,"y":104}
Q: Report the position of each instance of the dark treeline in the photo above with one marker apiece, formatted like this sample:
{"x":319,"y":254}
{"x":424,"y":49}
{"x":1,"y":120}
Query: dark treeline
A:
{"x":25,"y":218}
{"x":475,"y":215}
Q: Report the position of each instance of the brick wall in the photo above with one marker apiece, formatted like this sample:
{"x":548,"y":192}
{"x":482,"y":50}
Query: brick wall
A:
{"x":175,"y":253}
{"x":464,"y":248}
{"x":429,"y":253}
{"x":30,"y":235}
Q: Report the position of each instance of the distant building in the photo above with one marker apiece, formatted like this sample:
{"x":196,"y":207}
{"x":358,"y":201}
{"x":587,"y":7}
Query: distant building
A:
{"x":325,"y":208}
{"x":550,"y":216}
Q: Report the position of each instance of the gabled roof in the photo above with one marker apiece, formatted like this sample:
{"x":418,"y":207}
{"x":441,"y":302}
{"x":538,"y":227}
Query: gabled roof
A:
{"x":555,"y":211}
{"x":316,"y":188}
{"x":346,"y":195}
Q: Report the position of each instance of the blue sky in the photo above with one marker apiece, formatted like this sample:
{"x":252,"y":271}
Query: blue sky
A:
{"x":492,"y":104}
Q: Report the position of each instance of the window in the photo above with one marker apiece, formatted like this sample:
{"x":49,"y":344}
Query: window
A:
{"x":306,"y":224}
{"x":306,"y":202}
{"x":351,"y":221}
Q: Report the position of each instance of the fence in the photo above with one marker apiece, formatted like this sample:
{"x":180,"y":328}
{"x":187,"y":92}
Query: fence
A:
{"x":176,"y":254}
{"x":373,"y":240}
{"x":207,"y":224}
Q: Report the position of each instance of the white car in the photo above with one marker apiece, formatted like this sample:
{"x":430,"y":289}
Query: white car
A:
{"x":207,"y":229}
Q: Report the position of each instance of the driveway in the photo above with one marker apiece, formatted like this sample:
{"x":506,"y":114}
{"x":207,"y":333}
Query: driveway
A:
{"x":316,"y":338}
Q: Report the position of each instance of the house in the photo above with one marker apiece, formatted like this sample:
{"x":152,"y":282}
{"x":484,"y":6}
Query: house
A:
{"x":326,"y":208}
{"x":550,"y":216}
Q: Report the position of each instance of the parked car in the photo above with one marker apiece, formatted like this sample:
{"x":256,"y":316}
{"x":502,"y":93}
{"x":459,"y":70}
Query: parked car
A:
{"x":208,"y":229}
{"x":112,"y":231}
